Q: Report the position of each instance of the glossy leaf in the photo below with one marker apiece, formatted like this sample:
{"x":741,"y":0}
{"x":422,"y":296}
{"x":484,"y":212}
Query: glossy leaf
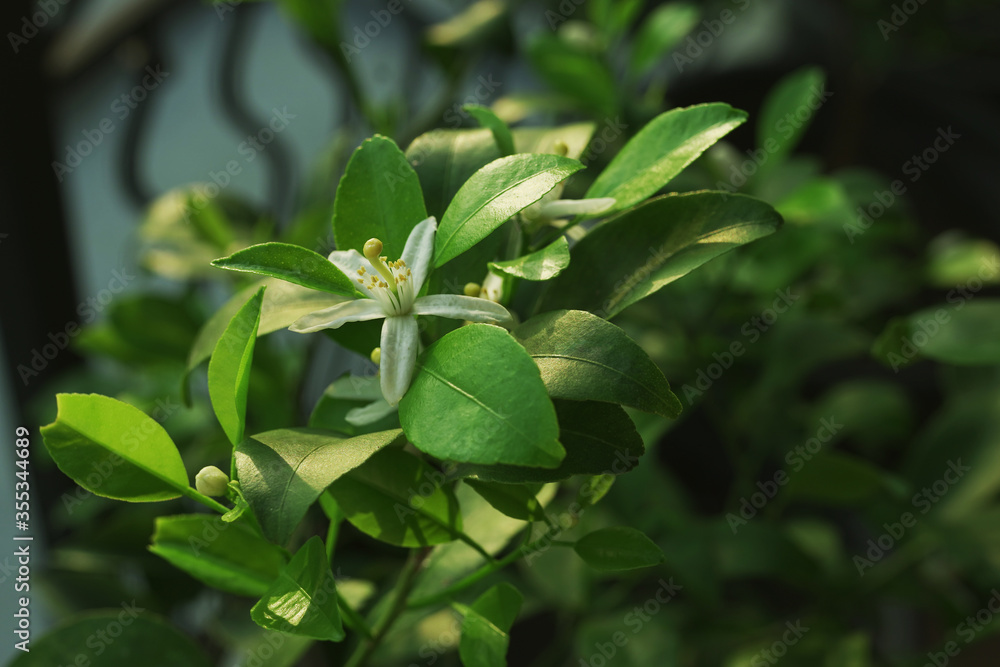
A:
{"x":618,"y":548}
{"x":283,"y":472}
{"x":303,"y":599}
{"x":379,"y":197}
{"x":492,"y":195}
{"x":229,"y":368}
{"x":641,"y":251}
{"x":543,"y":264}
{"x":114,"y":450}
{"x":487,"y":407}
{"x":661,"y":150}
{"x":397,"y":498}
{"x":501,"y":133}
{"x":583,"y":357}
{"x":599,"y":439}
{"x":227,"y":556}
{"x":142,"y":634}
{"x":290,"y":263}
{"x":486,"y":626}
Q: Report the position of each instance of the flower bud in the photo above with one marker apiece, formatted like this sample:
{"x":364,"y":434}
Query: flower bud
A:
{"x":376,"y":356}
{"x":211,"y":481}
{"x":472,"y":289}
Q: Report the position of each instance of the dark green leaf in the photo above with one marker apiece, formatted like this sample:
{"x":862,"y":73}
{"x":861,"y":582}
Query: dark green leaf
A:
{"x":486,"y":626}
{"x":303,"y":599}
{"x":964,"y":333}
{"x":492,"y":195}
{"x":501,"y":133}
{"x":599,"y":438}
{"x":114,"y":450}
{"x":141,"y":637}
{"x":397,"y":498}
{"x":227,"y":556}
{"x":541,"y":265}
{"x":575,"y":72}
{"x":477,"y":398}
{"x":637,"y":253}
{"x":291,"y":263}
{"x":515,"y":500}
{"x":661,"y":150}
{"x":835,"y":479}
{"x":583,"y":357}
{"x":662,"y":30}
{"x":618,"y":548}
{"x":787,"y":112}
{"x":229,"y":368}
{"x":283,"y":472}
{"x":379,"y":197}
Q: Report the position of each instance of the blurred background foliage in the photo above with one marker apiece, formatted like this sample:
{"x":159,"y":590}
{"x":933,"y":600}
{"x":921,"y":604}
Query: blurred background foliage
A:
{"x":823,"y":388}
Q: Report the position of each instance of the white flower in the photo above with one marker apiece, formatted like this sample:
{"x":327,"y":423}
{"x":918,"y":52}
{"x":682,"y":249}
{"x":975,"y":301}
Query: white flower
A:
{"x":390,"y":290}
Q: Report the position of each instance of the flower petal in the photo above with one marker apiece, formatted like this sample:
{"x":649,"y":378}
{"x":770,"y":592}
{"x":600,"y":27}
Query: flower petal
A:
{"x":400,"y":340}
{"x":357,"y":310}
{"x":350,"y":261}
{"x":460,"y":307}
{"x":563,"y":208}
{"x":419,"y":250}
{"x":369,"y":414}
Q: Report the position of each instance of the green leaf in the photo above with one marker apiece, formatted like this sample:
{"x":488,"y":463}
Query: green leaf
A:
{"x":379,"y":197}
{"x":486,"y":626}
{"x":661,"y":150}
{"x":227,"y":556}
{"x":575,"y":72}
{"x":965,"y":333}
{"x":517,"y":501}
{"x":541,"y":265}
{"x":664,"y":29}
{"x":283,"y":472}
{"x":956,"y":260}
{"x":477,"y":398}
{"x":291,"y":263}
{"x":303,"y":600}
{"x":397,"y":498}
{"x":492,"y":195}
{"x":501,"y":133}
{"x":644,"y":249}
{"x":344,"y":395}
{"x":141,"y":636}
{"x":599,"y":439}
{"x":229,"y":369}
{"x":113,"y":449}
{"x":283,"y":304}
{"x":787,"y":112}
{"x":618,"y":548}
{"x":835,"y":479}
{"x":583,"y":357}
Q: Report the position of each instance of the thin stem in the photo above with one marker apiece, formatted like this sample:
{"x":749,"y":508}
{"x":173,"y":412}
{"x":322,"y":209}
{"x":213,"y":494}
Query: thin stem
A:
{"x":397,"y":606}
{"x":482,"y":572}
{"x":353,"y":619}
{"x":194,"y":494}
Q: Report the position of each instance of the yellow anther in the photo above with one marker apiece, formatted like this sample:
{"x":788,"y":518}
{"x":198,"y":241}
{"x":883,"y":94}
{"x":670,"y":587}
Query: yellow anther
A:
{"x":472,"y":289}
{"x":376,"y":356}
{"x":361,"y":271}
